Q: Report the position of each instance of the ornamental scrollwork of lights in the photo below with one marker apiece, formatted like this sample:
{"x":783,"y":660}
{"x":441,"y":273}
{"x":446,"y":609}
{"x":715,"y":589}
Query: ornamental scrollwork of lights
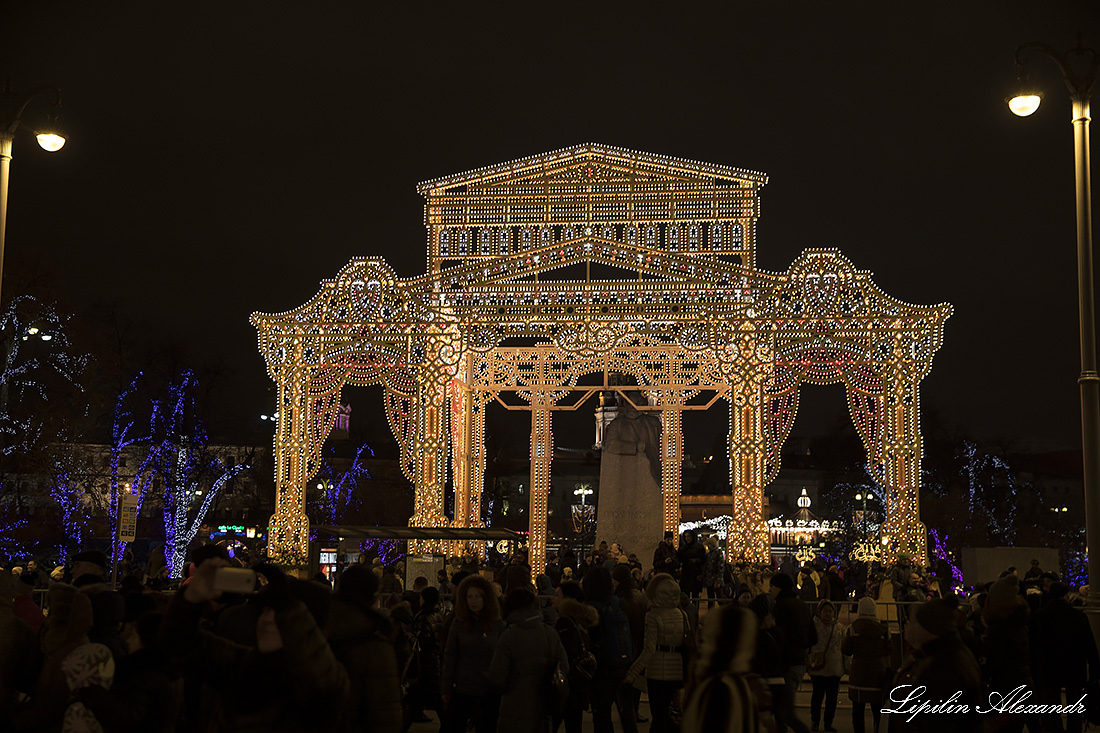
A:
{"x":595,"y":260}
{"x":866,"y":551}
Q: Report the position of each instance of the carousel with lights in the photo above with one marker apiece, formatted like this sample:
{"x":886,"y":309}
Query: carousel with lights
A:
{"x":801,"y":535}
{"x":595,"y":260}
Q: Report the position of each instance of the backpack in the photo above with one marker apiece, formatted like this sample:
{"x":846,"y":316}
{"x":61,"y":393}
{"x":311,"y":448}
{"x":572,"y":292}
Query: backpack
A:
{"x":615,"y":650}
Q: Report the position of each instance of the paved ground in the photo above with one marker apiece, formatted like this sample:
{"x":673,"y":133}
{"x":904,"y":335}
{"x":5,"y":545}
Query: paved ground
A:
{"x":843,"y":721}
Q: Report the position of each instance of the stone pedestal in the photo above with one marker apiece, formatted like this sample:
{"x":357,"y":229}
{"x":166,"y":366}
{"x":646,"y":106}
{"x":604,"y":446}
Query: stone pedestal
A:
{"x":631,"y":506}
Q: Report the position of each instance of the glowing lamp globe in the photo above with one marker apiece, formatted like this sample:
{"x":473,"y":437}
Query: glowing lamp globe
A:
{"x":1023,"y":105}
{"x":51,"y":142}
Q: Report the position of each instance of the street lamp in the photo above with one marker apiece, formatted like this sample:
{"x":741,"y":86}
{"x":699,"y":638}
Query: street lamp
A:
{"x":49,"y":137}
{"x":583,"y":491}
{"x":1024,"y":102}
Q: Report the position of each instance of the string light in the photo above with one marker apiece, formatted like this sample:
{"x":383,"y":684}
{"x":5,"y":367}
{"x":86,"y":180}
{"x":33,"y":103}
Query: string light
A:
{"x":670,"y":294}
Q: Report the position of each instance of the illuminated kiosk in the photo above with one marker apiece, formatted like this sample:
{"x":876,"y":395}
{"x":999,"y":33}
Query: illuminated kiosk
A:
{"x":595,"y":260}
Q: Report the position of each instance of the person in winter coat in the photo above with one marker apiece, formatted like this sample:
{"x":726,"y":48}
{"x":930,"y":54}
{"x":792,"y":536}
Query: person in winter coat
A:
{"x":608,"y":689}
{"x":467,"y":693}
{"x":18,"y":652}
{"x":427,"y":624}
{"x":523,"y":656}
{"x":722,"y":700}
{"x":575,"y":619}
{"x":868,"y":644}
{"x":826,"y":664}
{"x":661,"y":659}
{"x":66,"y":630}
{"x":24,"y":606}
{"x":714,"y":565}
{"x":362,"y":639}
{"x":665,"y":558}
{"x":943,"y":666}
{"x":770,"y":661}
{"x":692,"y":555}
{"x":795,"y":620}
{"x":296,"y":681}
{"x":1066,"y":652}
{"x":634,"y":603}
{"x":147,"y":693}
{"x":808,"y":588}
{"x":1006,"y":646}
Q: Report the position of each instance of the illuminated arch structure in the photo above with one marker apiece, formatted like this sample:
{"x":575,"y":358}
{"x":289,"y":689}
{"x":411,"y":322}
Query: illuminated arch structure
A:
{"x":597,"y":260}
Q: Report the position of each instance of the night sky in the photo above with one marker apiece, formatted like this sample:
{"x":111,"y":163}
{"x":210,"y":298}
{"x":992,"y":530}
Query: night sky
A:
{"x":223,"y":158}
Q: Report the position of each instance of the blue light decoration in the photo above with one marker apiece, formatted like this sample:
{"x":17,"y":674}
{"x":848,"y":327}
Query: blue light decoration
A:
{"x":337,"y":493}
{"x":1075,"y":561}
{"x":122,"y":437}
{"x":985,"y":497}
{"x":939,"y":551}
{"x":388,"y":551}
{"x":177,"y":454}
{"x":74,"y":514}
{"x":9,"y":547}
{"x":28,"y":375}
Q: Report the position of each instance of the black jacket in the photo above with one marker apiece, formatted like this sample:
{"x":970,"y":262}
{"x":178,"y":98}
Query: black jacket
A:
{"x":1065,"y":649}
{"x":794,"y":618}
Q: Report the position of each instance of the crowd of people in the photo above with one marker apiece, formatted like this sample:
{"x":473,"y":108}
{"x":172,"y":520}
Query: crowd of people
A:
{"x":715,"y":646}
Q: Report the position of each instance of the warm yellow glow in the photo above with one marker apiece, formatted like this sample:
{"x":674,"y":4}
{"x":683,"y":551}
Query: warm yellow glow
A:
{"x":51,"y":142}
{"x":690,"y":316}
{"x":1024,"y":104}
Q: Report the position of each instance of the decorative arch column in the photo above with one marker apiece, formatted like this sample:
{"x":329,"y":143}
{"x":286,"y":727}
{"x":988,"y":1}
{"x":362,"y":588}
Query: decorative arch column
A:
{"x":901,"y":450}
{"x":751,"y":365}
{"x":542,"y":455}
{"x":672,"y":458}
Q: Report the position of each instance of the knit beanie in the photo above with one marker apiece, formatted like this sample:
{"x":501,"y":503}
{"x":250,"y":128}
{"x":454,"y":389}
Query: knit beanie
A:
{"x":867,"y":608}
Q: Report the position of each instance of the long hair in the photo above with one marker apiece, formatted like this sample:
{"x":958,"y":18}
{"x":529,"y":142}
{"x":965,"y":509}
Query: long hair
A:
{"x":489,"y":613}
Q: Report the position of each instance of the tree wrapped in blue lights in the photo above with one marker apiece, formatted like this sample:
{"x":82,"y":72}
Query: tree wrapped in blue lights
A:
{"x":40,"y":393}
{"x":38,"y":362}
{"x":335,"y":495}
{"x":176,"y":458}
{"x":72,"y":500}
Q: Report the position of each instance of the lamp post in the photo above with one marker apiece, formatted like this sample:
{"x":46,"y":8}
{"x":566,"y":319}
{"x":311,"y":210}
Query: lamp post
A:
{"x":1023,"y":103}
{"x":49,"y":138}
{"x":583,"y":491}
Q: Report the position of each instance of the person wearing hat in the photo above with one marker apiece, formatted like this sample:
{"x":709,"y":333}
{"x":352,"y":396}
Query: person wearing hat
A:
{"x":868,"y":644}
{"x":665,"y":559}
{"x":1034,"y":571}
{"x":943,"y":666}
{"x":89,"y":568}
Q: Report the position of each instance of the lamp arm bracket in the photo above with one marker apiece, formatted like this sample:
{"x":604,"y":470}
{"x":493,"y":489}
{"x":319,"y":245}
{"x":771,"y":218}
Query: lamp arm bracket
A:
{"x":23,"y":101}
{"x":1079,"y":85}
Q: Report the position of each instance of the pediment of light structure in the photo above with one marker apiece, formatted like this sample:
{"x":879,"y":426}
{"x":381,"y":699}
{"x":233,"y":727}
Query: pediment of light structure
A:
{"x":660,"y":203}
{"x":589,"y":163}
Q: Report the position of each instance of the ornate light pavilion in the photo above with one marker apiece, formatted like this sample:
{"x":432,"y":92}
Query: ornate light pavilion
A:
{"x":595,"y":260}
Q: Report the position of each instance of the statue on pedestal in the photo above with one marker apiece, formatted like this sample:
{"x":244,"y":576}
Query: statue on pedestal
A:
{"x":631,"y":506}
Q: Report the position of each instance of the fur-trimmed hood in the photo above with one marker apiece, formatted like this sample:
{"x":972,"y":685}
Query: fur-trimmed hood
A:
{"x":579,"y":613}
{"x":663,"y":591}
